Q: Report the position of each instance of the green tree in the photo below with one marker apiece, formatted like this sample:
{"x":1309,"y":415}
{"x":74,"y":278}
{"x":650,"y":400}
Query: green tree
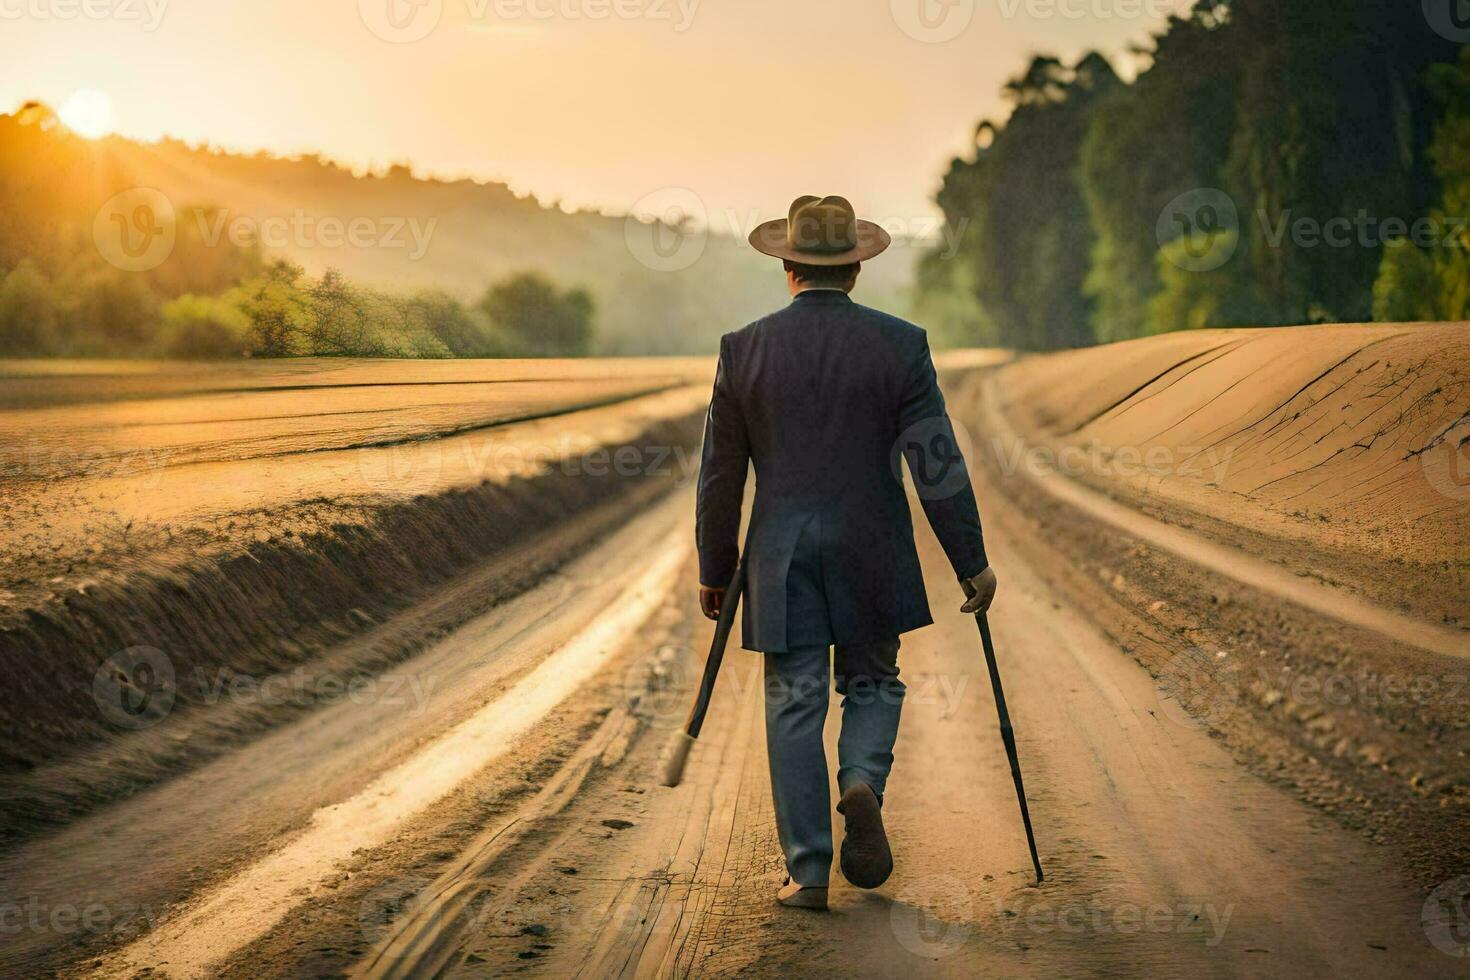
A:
{"x":533,"y":318}
{"x":1202,"y":283}
{"x":200,"y":327}
{"x":338,"y":323}
{"x":1018,"y":212}
{"x":1149,"y":142}
{"x":278,"y":311}
{"x":1416,"y":283}
{"x":30,"y":312}
{"x":461,"y":333}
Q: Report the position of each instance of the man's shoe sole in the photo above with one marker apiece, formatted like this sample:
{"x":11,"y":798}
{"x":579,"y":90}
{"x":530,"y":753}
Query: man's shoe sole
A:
{"x":796,"y":897}
{"x":867,"y":860}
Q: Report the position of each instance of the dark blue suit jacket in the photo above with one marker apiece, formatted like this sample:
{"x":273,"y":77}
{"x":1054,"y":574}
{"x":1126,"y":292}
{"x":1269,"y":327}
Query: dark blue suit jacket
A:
{"x":824,"y":397}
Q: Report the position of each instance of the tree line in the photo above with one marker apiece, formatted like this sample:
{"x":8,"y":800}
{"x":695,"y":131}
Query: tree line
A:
{"x":61,"y":296}
{"x":1276,"y":162}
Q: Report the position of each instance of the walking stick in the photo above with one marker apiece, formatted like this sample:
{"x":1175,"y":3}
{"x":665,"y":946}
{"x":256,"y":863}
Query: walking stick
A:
{"x":1007,"y":735}
{"x":677,"y":753}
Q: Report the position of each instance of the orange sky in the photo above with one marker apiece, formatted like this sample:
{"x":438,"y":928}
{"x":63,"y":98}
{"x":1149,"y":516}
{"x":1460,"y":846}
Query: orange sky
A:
{"x":592,"y":102}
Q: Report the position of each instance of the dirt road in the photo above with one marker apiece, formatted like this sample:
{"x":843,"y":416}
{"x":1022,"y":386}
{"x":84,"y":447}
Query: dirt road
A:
{"x":497,"y":812}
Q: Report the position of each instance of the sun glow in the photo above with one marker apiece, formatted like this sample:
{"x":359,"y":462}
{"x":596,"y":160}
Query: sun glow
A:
{"x":88,"y":113}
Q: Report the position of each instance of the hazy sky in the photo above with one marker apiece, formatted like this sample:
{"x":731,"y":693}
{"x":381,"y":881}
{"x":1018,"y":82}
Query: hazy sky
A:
{"x":593,"y":102}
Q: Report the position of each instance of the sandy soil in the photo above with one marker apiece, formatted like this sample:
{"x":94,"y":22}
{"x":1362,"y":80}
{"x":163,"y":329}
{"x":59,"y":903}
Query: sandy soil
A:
{"x":106,"y":469}
{"x":1223,"y":783}
{"x":260,"y":555}
{"x":1162,"y":853}
{"x":1344,"y":450}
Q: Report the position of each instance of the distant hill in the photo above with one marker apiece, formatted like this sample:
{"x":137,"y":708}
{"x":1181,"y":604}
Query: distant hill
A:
{"x":470,"y":234}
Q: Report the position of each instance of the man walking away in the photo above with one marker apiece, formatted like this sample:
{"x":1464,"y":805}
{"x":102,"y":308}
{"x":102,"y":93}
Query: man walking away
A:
{"x":823,"y":397}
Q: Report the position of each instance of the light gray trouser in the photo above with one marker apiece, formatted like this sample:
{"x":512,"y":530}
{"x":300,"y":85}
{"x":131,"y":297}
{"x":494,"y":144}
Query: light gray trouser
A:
{"x":796,"y":691}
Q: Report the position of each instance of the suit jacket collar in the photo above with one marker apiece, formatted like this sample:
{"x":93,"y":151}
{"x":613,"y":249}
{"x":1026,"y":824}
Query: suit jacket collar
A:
{"x":821,"y":296}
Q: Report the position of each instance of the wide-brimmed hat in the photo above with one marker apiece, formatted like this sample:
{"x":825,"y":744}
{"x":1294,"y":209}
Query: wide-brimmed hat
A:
{"x":820,"y":231}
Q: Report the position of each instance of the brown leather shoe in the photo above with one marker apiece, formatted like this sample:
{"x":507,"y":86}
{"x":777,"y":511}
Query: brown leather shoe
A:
{"x":866,"y":860}
{"x":797,"y":896}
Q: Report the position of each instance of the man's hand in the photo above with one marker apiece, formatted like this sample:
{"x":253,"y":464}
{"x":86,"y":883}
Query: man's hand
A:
{"x":710,"y":601}
{"x":980,"y":590}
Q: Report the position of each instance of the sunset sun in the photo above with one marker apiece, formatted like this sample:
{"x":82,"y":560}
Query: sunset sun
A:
{"x":87,"y":112}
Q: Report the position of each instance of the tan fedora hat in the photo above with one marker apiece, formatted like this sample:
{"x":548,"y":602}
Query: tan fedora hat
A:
{"x":820,"y":231}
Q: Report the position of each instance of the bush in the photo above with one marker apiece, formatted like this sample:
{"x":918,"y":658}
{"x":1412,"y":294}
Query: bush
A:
{"x":30,"y":312}
{"x":278,"y":310}
{"x":202,"y":327}
{"x":532,"y":318}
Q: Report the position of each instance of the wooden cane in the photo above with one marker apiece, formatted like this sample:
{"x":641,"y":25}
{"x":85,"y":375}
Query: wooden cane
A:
{"x":677,"y":753}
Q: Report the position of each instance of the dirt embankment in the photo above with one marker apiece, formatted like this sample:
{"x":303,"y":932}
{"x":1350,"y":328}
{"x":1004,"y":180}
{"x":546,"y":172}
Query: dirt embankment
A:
{"x":1344,"y":449}
{"x":102,"y":684}
{"x":1329,"y":451}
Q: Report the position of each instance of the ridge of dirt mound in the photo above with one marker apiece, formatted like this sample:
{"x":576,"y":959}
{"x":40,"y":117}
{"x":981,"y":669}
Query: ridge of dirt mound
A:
{"x":76,"y":671}
{"x":1352,"y":440}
